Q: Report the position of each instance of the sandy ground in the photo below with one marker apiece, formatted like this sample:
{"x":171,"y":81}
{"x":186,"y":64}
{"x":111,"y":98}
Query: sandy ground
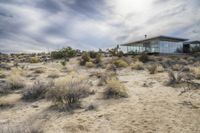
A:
{"x":151,"y":107}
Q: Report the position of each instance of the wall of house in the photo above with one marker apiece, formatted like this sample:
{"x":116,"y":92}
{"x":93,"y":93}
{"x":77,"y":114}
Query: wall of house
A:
{"x":170,"y":47}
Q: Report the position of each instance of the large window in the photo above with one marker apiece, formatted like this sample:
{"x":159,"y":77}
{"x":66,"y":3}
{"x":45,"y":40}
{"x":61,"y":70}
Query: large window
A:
{"x":169,"y":47}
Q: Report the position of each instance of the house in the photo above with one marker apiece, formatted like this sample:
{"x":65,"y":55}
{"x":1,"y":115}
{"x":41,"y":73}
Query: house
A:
{"x":160,"y":44}
{"x":191,"y":46}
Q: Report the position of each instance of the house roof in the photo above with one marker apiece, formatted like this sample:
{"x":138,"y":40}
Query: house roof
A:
{"x":163,"y":38}
{"x":192,"y":42}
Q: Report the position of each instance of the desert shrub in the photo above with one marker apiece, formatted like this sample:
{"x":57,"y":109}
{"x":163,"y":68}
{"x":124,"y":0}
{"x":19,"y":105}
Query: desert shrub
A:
{"x":176,"y":67}
{"x":4,"y":90}
{"x":152,"y":69}
{"x":196,"y":72}
{"x":120,"y":63}
{"x":128,"y":59}
{"x":34,"y":60}
{"x":91,"y":107}
{"x":93,"y":54}
{"x":2,"y":74}
{"x":63,"y":63}
{"x":143,"y":58}
{"x":36,"y":91}
{"x":18,"y":71}
{"x":89,"y":64}
{"x":104,"y":77}
{"x":67,"y":95}
{"x":115,"y":89}
{"x":160,"y":68}
{"x":137,"y":65}
{"x":57,"y":55}
{"x":111,"y":67}
{"x":120,"y":54}
{"x":174,"y":78}
{"x":84,"y":58}
{"x":39,"y":71}
{"x":98,"y":59}
{"x":5,"y":66}
{"x":15,"y":80}
{"x":64,"y":53}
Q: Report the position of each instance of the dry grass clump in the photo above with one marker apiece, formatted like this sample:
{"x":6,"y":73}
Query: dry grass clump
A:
{"x":128,"y":59}
{"x":174,"y":78}
{"x":4,"y":90}
{"x":89,"y":64}
{"x":36,"y":91}
{"x":67,"y":94}
{"x":120,"y":63}
{"x":196,"y":72}
{"x":160,"y":68}
{"x":18,"y":71}
{"x":137,"y":65}
{"x":15,"y":80}
{"x":115,"y":89}
{"x":104,"y":77}
{"x":152,"y":68}
{"x":176,"y":67}
{"x":5,"y":105}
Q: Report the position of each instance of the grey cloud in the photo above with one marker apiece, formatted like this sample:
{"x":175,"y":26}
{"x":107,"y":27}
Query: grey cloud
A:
{"x":50,"y":5}
{"x":42,"y":25}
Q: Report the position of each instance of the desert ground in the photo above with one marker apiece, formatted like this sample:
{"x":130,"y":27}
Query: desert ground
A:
{"x":154,"y":101}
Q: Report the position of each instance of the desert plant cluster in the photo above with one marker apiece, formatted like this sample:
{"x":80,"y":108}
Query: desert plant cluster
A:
{"x":76,"y":82}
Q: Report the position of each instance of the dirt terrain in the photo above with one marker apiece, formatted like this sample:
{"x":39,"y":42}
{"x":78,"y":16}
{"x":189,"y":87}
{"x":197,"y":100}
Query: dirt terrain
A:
{"x":151,"y":106}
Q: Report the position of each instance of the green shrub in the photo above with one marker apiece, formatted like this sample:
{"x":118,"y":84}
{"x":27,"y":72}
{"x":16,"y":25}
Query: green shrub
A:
{"x":85,"y":58}
{"x":63,"y":63}
{"x":93,"y":54}
{"x":98,"y":59}
{"x":115,"y":89}
{"x":120,"y":54}
{"x":2,"y":75}
{"x":120,"y":63}
{"x":143,"y":58}
{"x":64,"y":53}
{"x":89,"y":64}
{"x":34,"y":60}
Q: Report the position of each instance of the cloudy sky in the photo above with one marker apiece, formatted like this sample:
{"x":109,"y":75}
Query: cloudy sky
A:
{"x":45,"y":25}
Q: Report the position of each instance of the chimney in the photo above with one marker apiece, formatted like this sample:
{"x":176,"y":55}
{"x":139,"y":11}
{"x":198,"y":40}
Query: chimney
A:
{"x":145,"y":36}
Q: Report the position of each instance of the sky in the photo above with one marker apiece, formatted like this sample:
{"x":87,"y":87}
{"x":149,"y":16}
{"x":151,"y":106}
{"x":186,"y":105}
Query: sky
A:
{"x":46,"y":25}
